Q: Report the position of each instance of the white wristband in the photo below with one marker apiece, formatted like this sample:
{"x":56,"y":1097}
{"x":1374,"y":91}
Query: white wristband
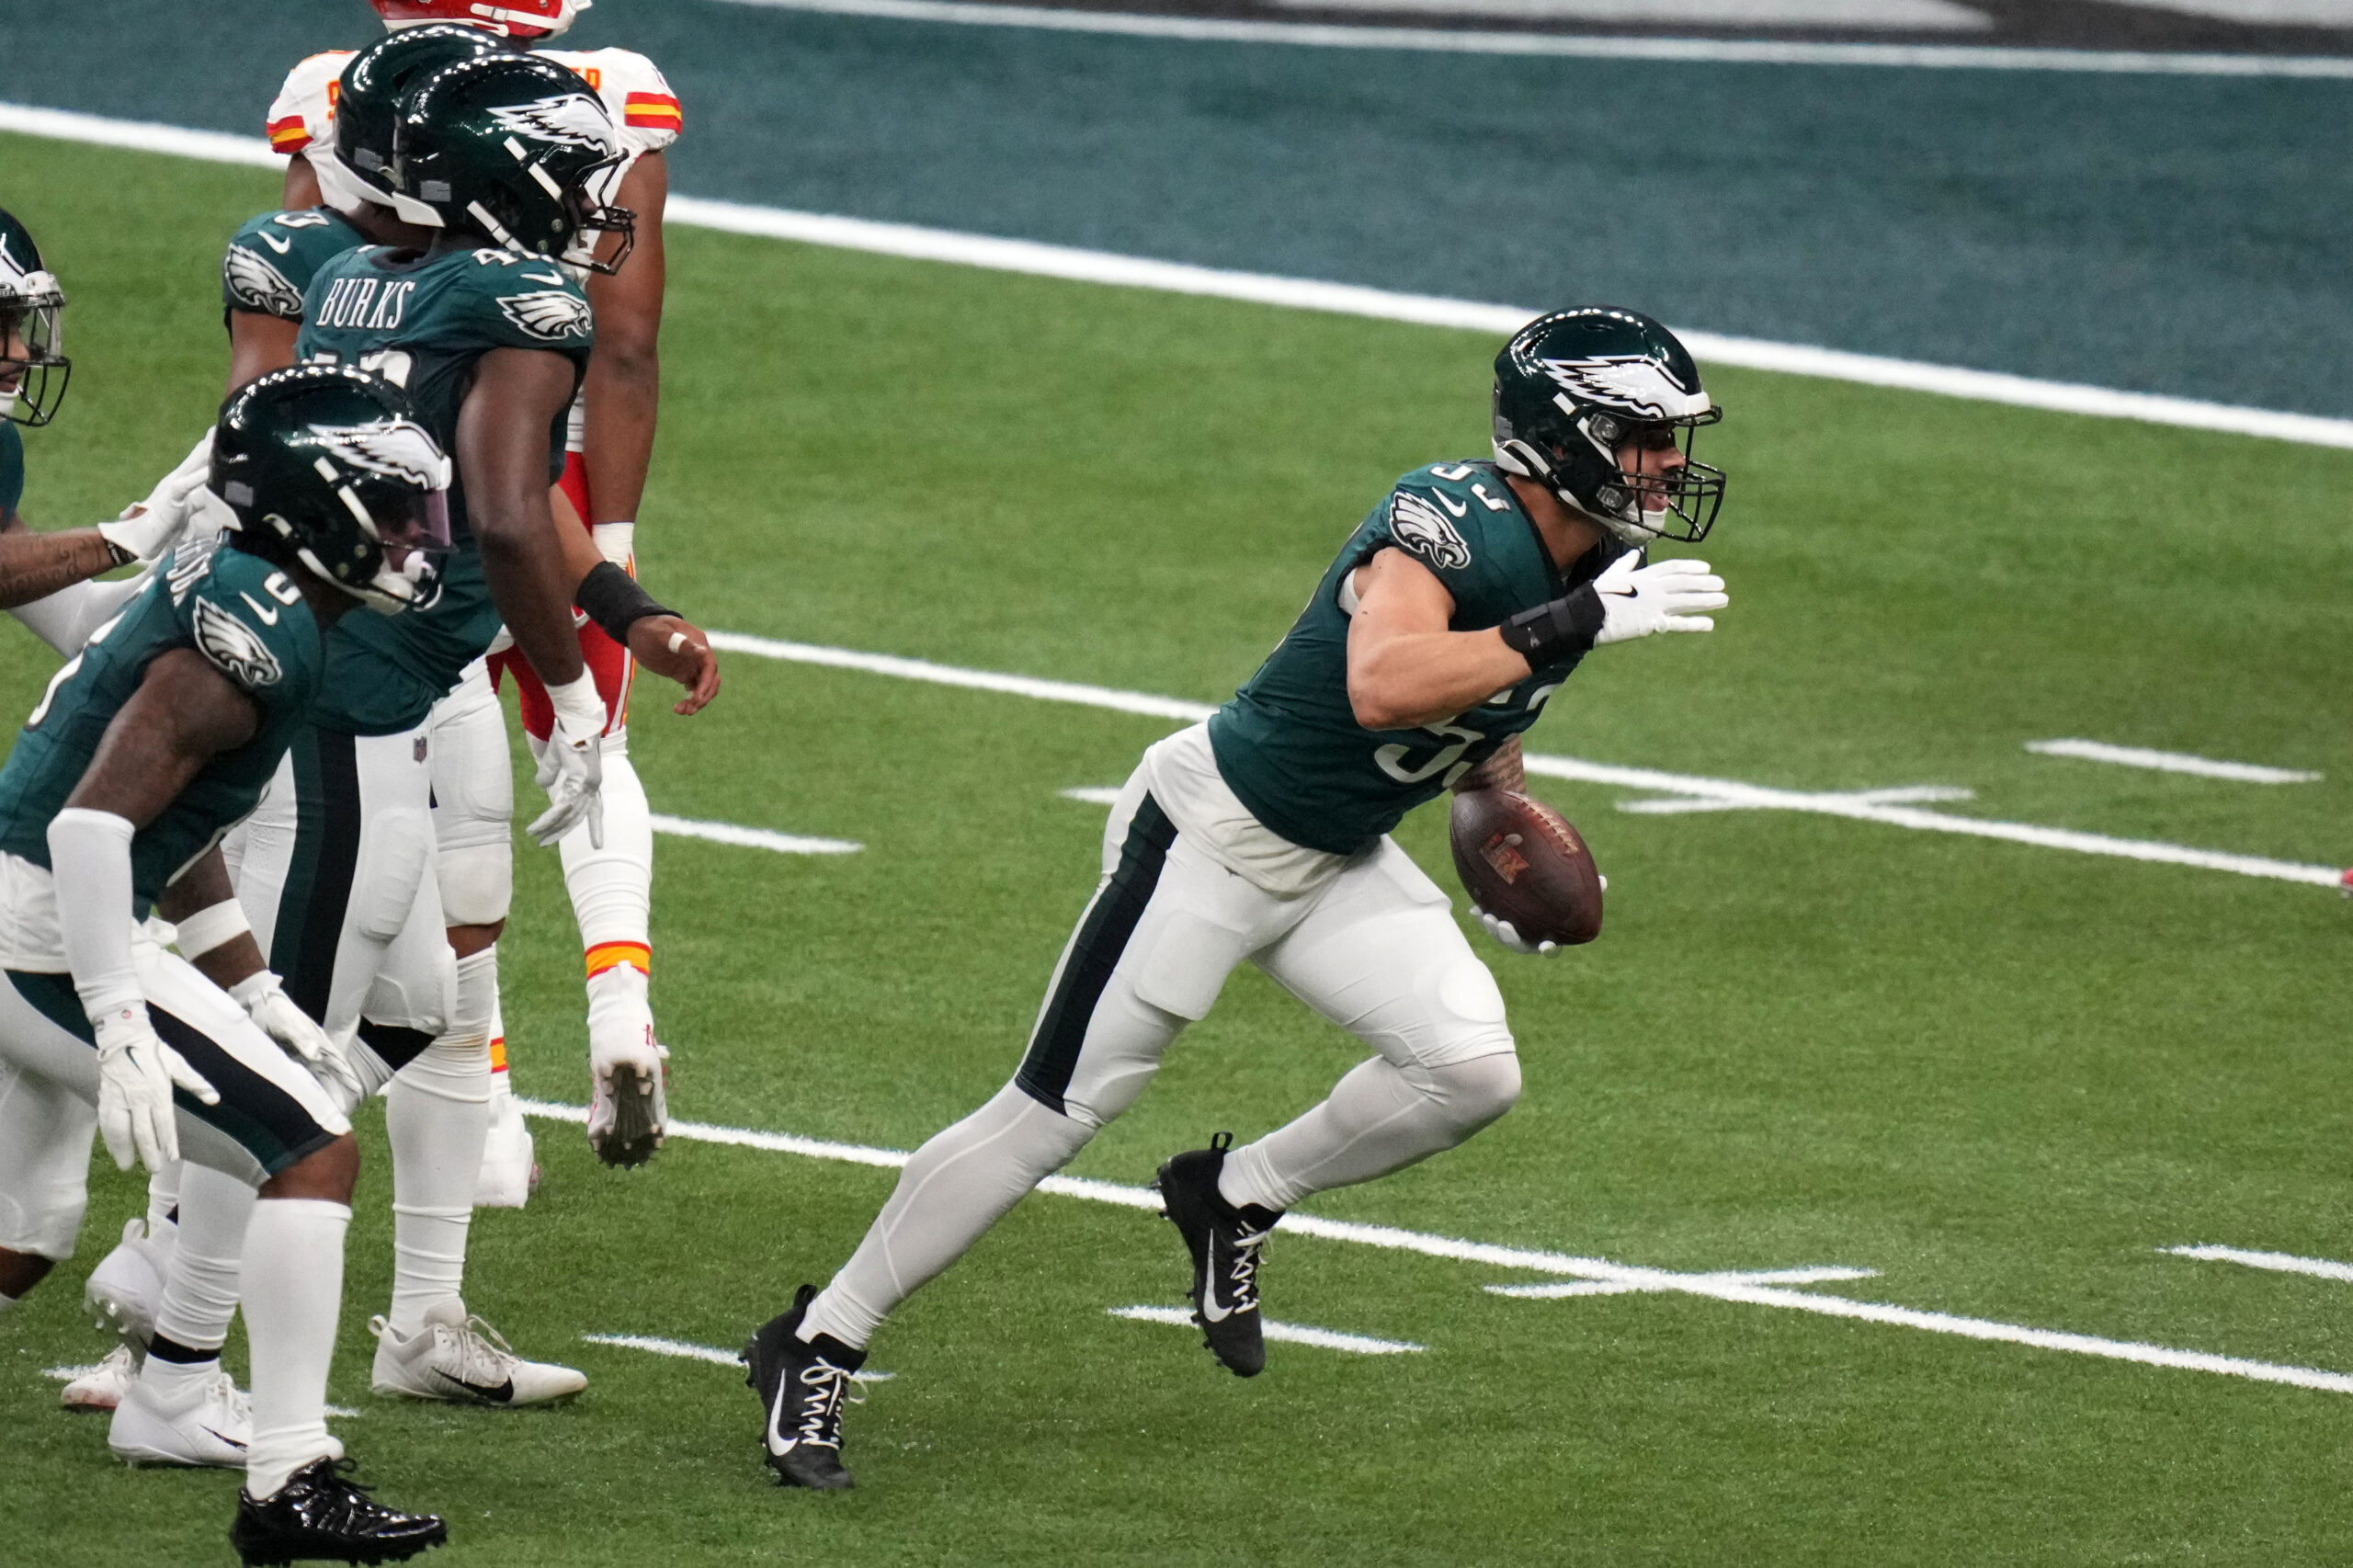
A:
{"x":211,"y":927}
{"x":617,"y":543}
{"x":576,"y":700}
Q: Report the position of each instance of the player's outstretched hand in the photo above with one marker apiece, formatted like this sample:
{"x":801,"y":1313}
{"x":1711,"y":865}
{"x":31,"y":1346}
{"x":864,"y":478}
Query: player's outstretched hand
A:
{"x":1668,"y":595}
{"x":156,"y":524}
{"x":264,"y":998}
{"x":677,"y":649}
{"x":137,"y":1073}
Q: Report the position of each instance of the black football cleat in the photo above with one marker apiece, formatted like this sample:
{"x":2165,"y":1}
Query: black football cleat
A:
{"x":323,"y":1516}
{"x":803,"y":1385}
{"x":1226,"y":1243}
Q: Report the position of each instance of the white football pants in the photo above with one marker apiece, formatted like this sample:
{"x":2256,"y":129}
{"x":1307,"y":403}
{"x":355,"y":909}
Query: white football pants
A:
{"x":1375,"y":950}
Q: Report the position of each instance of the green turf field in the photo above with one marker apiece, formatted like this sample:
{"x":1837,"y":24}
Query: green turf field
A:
{"x":2002,"y":1075}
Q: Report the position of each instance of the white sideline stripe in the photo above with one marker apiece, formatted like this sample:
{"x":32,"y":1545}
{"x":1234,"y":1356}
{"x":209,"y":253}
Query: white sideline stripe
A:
{"x":2277,"y":1262}
{"x":2171,"y":762}
{"x":1892,"y":15}
{"x":686,"y":1351}
{"x":1340,"y":299}
{"x":753,"y":838}
{"x":1289,"y":1332}
{"x":1613,"y":1288}
{"x":1718,"y":1286}
{"x":1932,"y":57}
{"x":1094,"y":794}
{"x":1902,"y":795}
{"x":1727,"y":793}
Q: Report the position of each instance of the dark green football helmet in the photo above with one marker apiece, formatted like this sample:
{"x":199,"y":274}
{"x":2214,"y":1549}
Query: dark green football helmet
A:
{"x":329,"y":472}
{"x":518,"y":150}
{"x":1575,"y":389}
{"x":33,"y":365}
{"x":358,"y":167}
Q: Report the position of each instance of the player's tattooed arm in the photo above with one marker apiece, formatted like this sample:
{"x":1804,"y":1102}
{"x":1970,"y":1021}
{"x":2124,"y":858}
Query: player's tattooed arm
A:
{"x":1503,"y":770}
{"x":502,"y":451}
{"x":184,"y":714}
{"x":33,"y":566}
{"x":624,"y":382}
{"x":1405,"y":667}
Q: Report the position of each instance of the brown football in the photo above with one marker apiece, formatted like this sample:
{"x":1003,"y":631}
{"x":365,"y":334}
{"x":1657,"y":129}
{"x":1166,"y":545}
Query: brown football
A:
{"x":1522,"y":862}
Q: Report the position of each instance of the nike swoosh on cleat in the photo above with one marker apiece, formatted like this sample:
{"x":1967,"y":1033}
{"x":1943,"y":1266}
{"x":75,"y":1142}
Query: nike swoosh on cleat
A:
{"x":1211,"y":1311}
{"x":223,"y":1436}
{"x":490,"y":1393}
{"x":777,"y":1444}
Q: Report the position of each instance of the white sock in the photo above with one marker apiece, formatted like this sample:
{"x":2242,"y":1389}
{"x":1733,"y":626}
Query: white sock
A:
{"x":1381,"y":1117}
{"x":612,"y":888}
{"x":200,"y":1287}
{"x":293,"y":1271}
{"x":175,"y":1385}
{"x":953,"y":1189}
{"x":163,"y":1196}
{"x":437,"y":1113}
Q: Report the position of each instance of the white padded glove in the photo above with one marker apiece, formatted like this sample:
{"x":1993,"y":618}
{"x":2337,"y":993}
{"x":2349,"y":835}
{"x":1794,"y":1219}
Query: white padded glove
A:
{"x":154,"y":524}
{"x":1503,"y":931}
{"x":136,"y":1074}
{"x":262,"y":997}
{"x":572,"y":765}
{"x":1668,"y":595}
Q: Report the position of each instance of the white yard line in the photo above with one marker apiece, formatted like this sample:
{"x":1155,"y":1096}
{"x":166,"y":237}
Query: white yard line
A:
{"x":2171,"y":762}
{"x":1288,"y":1332}
{"x":1902,"y":795}
{"x":2277,"y":1262}
{"x":1868,"y":805}
{"x":685,"y":1351}
{"x":753,"y":838}
{"x":1613,"y":1288}
{"x":1743,"y":1287}
{"x":1093,"y":795}
{"x":1342,"y":298}
{"x":1930,"y":57}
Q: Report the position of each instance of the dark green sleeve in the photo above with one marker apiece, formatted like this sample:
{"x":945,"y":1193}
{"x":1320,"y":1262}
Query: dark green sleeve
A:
{"x":524,"y":302}
{"x":272,"y":259}
{"x":12,"y":470}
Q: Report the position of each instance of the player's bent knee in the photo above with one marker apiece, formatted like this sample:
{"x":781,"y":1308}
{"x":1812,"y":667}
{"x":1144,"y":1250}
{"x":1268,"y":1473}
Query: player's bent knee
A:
{"x":327,"y":1174}
{"x":42,"y":1224}
{"x":455,"y":1067}
{"x":1477,"y":1092}
{"x":477,"y":882}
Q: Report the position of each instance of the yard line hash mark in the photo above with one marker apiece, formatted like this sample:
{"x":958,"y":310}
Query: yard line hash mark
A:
{"x":1288,"y":1332}
{"x":687,"y":1351}
{"x":1735,"y":1287}
{"x":1035,"y":259}
{"x":2171,"y":762}
{"x":1698,"y":51}
{"x":2277,"y":1262}
{"x":753,"y":838}
{"x":1713,"y":794}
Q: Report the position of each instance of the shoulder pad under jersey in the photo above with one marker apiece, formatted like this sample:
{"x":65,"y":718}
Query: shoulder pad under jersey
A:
{"x":633,"y":92}
{"x":247,"y":619}
{"x":271,"y":260}
{"x":1440,"y":514}
{"x":303,"y":111}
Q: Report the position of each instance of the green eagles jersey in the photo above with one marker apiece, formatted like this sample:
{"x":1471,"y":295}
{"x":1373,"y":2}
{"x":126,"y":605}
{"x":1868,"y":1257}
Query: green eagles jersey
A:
{"x":247,"y":617}
{"x":12,"y":470}
{"x":1288,"y":745}
{"x":272,"y":259}
{"x":425,"y":322}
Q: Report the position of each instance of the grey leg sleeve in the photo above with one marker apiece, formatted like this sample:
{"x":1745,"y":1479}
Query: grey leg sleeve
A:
{"x":953,"y":1190}
{"x":1381,"y":1117}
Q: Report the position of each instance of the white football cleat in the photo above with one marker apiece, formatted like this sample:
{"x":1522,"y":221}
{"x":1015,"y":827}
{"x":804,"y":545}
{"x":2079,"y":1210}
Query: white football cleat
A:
{"x":463,"y":1360}
{"x":510,"y":1172}
{"x":102,"y":1387}
{"x":208,"y":1423}
{"x":628,"y":1084}
{"x":127,"y":1287}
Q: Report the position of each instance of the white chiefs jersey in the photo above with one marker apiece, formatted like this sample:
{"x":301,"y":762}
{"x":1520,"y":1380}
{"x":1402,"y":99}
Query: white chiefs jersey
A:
{"x":644,"y":110}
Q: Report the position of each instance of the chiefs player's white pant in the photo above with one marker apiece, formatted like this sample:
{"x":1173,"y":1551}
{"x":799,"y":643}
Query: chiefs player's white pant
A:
{"x":1374,"y":949}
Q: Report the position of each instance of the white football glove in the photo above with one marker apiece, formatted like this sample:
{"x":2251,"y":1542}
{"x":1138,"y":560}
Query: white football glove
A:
{"x":136,"y":1075}
{"x":154,"y":524}
{"x":262,"y":997}
{"x":1503,"y":931}
{"x":572,"y":765}
{"x":1667,"y":595}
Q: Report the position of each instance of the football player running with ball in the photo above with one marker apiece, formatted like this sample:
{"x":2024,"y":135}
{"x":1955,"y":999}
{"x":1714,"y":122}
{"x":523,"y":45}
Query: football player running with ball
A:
{"x":609,"y":444}
{"x":147,"y":746}
{"x":1450,"y":616}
